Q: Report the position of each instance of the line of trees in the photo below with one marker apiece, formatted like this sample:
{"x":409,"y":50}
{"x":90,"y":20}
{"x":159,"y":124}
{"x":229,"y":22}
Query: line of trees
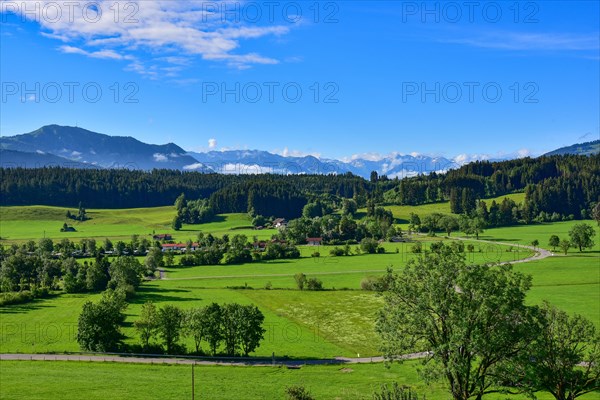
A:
{"x":233,"y":328}
{"x":25,"y":275}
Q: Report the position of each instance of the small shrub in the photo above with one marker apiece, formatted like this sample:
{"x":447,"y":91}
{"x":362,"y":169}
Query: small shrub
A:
{"x":336,"y":252}
{"x":300,"y":280}
{"x":10,"y":298}
{"x":314,"y":284}
{"x":268,"y":285}
{"x":416,"y":248}
{"x":396,"y":392}
{"x":298,"y":393}
{"x":316,"y":254}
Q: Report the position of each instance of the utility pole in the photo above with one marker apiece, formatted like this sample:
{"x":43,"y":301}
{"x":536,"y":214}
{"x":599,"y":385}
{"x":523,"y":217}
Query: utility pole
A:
{"x":193,"y":385}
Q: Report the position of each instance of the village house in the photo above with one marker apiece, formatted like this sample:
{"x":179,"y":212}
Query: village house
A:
{"x":314,"y":241}
{"x":280,"y":223}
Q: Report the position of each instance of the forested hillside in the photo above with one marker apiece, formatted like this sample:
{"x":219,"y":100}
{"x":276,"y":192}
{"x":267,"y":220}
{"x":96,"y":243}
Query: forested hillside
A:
{"x":567,"y":185}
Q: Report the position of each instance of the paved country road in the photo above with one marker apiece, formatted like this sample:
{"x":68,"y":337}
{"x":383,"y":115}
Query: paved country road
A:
{"x":540,"y":254}
{"x":138,"y":359}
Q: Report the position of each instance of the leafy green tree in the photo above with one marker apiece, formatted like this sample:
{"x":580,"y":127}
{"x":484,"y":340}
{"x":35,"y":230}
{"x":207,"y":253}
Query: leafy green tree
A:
{"x":126,"y":271}
{"x":596,"y":213}
{"x":300,"y":279}
{"x":213,"y":333}
{"x":565,"y":245}
{"x":469,"y":319}
{"x":312,"y":210}
{"x":251,"y":330}
{"x":107,"y":245}
{"x":45,"y":246}
{"x":581,"y":236}
{"x":147,"y":324}
{"x":477,"y":225}
{"x":169,"y":259}
{"x":564,"y":359}
{"x":154,"y":261}
{"x":180,"y":203}
{"x":535,"y":243}
{"x":554,"y":242}
{"x":414,"y":223}
{"x":97,"y":277}
{"x":169,"y":324}
{"x":349,"y":207}
{"x":98,"y":327}
{"x":369,"y":246}
{"x":176,"y":224}
{"x":448,"y":223}
{"x":120,"y":248}
{"x":231,"y":323}
{"x":196,"y":326}
{"x":259,"y":220}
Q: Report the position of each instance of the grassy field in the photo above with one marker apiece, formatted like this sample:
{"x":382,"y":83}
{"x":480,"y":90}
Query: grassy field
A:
{"x":34,"y":222}
{"x":402,"y":213}
{"x":33,"y":380}
{"x":299,"y":324}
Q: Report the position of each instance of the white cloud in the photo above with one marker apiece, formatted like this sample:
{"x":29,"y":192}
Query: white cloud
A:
{"x":193,"y":167}
{"x":212,"y":143}
{"x":160,"y":157}
{"x":467,"y":158}
{"x":530,"y":41}
{"x":170,"y":32}
{"x":286,"y":152}
{"x":102,"y":54}
{"x":75,"y":154}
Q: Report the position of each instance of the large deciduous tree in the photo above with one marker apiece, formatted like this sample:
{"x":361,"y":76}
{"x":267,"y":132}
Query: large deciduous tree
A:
{"x":564,"y":359}
{"x":147,"y":324}
{"x":170,"y":321}
{"x":99,"y":324}
{"x":469,"y":318}
{"x":581,"y":236}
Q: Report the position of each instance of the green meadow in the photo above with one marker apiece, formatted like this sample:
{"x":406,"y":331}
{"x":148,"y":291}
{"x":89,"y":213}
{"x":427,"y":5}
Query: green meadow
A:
{"x":18,"y":224}
{"x":338,"y":321}
{"x":36,"y":380}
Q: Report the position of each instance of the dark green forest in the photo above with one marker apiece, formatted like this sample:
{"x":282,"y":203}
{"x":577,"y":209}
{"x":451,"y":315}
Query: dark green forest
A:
{"x":566,"y":185}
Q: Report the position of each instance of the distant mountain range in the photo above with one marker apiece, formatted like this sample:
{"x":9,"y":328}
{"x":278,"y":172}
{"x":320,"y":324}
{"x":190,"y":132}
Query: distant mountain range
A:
{"x":584,"y":149}
{"x":55,"y":145}
{"x":93,"y":149}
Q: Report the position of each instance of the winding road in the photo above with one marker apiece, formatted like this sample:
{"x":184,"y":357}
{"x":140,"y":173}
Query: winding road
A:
{"x":540,"y":254}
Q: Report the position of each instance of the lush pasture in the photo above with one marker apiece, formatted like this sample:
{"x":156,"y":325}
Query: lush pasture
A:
{"x":34,"y":222}
{"x":33,"y":380}
{"x":299,"y":324}
{"x":542,"y":232}
{"x":402,"y":213}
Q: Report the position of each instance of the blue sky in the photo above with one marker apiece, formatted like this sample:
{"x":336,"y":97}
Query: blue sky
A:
{"x":375,"y":77}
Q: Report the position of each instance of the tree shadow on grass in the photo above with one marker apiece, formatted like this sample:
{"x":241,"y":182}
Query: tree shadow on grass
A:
{"x":160,"y":295}
{"x":496,"y":239}
{"x":37,"y":304}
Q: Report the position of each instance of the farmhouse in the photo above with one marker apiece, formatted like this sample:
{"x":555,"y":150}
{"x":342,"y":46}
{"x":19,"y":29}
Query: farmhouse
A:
{"x":314,"y":241}
{"x":178,"y":247}
{"x":280,"y":223}
{"x":162,"y":236}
